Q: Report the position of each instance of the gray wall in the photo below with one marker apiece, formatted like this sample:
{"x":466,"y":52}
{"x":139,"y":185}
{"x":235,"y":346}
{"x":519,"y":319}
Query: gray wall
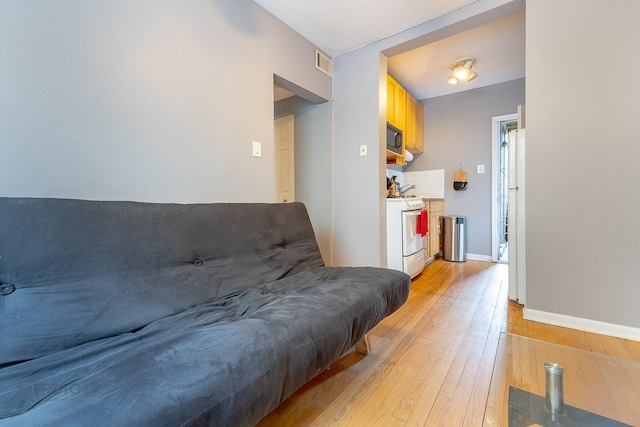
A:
{"x":312,"y":139}
{"x":359,"y":209}
{"x":583,"y":152}
{"x":359,"y":113}
{"x":138,"y":100}
{"x":457,"y":130}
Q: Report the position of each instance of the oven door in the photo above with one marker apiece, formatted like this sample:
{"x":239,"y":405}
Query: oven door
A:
{"x":412,"y":242}
{"x":413,"y":264}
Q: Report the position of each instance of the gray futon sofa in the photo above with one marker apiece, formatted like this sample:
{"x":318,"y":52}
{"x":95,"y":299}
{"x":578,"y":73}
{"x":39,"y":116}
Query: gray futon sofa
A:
{"x":148,"y":314}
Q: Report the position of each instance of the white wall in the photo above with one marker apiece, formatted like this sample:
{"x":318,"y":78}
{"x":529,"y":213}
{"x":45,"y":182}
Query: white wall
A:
{"x":583,"y":152}
{"x":139,"y":100}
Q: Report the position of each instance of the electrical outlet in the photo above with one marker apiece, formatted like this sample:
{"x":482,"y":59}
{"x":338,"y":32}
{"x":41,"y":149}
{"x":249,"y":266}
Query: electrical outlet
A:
{"x":480,"y":168}
{"x":257,"y":149}
{"x":363,"y":150}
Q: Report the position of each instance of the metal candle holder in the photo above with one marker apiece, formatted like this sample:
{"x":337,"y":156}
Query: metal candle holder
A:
{"x":554,"y":396}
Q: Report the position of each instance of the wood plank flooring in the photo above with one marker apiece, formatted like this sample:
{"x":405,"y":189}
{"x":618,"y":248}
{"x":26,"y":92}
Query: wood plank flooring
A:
{"x":431,"y":362}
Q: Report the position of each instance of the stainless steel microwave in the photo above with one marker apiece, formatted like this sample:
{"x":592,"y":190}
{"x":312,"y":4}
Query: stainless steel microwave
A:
{"x":394,"y":139}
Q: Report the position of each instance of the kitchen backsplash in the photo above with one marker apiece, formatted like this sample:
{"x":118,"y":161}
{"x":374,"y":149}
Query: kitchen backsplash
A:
{"x":429,"y":184}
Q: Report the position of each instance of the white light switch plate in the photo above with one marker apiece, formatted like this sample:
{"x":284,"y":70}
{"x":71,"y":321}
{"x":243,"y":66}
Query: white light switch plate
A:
{"x":257,"y":149}
{"x":363,"y":150}
{"x":480,"y":168}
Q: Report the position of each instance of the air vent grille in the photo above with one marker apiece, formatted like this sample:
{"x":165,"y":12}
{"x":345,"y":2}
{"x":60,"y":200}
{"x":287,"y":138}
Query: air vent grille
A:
{"x":324,"y":63}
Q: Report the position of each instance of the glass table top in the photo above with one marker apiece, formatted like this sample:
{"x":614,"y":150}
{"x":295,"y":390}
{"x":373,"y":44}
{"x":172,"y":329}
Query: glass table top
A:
{"x":577,"y":387}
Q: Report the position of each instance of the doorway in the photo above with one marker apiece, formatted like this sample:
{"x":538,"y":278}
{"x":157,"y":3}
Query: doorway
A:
{"x":501,"y":126}
{"x":285,"y":166}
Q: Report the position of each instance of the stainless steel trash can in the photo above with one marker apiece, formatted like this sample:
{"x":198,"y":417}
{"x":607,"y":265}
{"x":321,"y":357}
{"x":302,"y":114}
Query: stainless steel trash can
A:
{"x":454,"y":238}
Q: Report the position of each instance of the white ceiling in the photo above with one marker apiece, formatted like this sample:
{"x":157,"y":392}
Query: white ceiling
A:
{"x":339,"y":26}
{"x":280,"y":93}
{"x":497,"y":46}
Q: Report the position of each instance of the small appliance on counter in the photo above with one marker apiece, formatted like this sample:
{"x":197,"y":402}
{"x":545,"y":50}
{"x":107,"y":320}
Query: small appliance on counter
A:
{"x":393,"y":187}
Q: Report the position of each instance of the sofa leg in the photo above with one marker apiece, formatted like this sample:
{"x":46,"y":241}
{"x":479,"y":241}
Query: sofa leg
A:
{"x":363,"y":346}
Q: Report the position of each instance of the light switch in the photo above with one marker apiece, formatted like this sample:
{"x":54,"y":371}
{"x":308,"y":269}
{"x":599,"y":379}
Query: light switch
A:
{"x":257,"y":149}
{"x":480,"y":168}
{"x":363,"y":150}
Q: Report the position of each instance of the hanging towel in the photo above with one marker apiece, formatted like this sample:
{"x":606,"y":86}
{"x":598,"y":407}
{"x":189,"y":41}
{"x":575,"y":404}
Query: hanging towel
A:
{"x":419,"y":225}
{"x":425,"y":222}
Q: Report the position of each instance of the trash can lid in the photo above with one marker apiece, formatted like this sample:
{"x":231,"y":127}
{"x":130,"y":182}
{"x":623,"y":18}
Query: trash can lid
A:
{"x":458,"y":219}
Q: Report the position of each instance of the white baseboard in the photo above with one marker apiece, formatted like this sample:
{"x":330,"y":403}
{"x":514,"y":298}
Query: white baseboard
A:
{"x":476,"y":257}
{"x":581,"y":324}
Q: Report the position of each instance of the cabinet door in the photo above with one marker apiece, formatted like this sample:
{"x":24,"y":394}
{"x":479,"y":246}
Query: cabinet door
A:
{"x":427,"y":250}
{"x":400,"y":107}
{"x":434,"y":236}
{"x":418,"y":116}
{"x":391,"y":99}
{"x":436,"y":205}
{"x":436,"y":211}
{"x":410,"y":134}
{"x":414,"y":128}
{"x":396,"y":103}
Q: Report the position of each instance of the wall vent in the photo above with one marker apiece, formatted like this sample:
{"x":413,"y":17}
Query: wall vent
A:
{"x":324,"y":63}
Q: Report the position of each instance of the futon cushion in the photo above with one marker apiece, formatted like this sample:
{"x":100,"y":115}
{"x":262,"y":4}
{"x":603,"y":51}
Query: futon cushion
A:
{"x":74,"y":271}
{"x":225,"y":362}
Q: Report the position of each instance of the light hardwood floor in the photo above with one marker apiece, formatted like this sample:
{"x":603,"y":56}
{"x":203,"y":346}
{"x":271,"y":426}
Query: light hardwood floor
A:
{"x":431,"y":362}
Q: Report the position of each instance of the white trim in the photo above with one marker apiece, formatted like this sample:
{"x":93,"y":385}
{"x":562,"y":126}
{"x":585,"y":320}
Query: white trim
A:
{"x":477,"y":257}
{"x":588,"y":325}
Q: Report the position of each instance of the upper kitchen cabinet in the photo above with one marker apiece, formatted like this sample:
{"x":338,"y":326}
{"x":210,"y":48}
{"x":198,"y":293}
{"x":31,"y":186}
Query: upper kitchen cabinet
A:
{"x":413,"y":132}
{"x":406,"y":113}
{"x":396,"y":103}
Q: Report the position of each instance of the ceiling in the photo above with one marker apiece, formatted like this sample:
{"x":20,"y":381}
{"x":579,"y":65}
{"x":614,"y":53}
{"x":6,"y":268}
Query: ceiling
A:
{"x":280,"y":93}
{"x":340,"y":26}
{"x":337,"y":27}
{"x":498,"y":47}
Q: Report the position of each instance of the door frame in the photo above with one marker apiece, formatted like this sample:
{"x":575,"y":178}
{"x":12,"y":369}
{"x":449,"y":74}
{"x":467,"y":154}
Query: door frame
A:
{"x":495,"y":170}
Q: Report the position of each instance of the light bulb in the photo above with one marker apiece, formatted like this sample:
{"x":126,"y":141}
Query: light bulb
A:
{"x":461,"y":73}
{"x":452,"y":80}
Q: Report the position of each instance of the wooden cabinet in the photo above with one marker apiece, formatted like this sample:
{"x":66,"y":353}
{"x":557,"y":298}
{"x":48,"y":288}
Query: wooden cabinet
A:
{"x":396,"y":103}
{"x":426,"y":248}
{"x":395,"y":159}
{"x":436,"y":211}
{"x":406,"y":113}
{"x":413,"y":133}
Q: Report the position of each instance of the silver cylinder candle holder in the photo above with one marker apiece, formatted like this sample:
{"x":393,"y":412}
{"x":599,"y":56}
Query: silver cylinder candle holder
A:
{"x":554,"y":397}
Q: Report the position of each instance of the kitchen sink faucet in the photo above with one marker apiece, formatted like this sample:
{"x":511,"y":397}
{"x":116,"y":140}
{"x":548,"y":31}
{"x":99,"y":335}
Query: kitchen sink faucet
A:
{"x":409,"y":187}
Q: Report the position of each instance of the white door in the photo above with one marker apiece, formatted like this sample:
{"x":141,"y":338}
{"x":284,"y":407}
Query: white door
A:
{"x":517,"y":248}
{"x":412,"y":242}
{"x":285,"y":171}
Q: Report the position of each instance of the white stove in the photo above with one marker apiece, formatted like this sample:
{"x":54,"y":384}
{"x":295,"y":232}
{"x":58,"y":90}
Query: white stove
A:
{"x":405,"y":234}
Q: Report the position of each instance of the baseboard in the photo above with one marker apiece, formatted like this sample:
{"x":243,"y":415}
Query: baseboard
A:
{"x":581,"y":324}
{"x":476,"y":257}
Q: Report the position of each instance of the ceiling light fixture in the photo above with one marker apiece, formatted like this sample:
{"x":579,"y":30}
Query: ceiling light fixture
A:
{"x":461,"y":70}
